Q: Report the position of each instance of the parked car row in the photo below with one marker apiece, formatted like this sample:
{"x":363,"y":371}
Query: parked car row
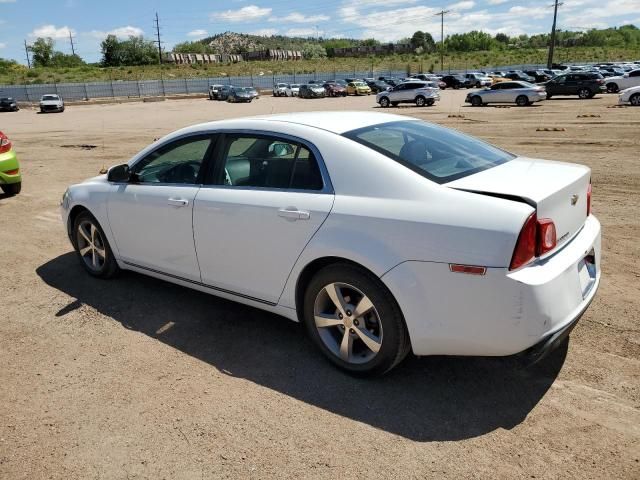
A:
{"x":233,"y":94}
{"x":50,"y":102}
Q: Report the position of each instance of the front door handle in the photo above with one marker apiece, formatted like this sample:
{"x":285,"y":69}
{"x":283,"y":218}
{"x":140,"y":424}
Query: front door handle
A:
{"x":178,"y":202}
{"x":293,"y":213}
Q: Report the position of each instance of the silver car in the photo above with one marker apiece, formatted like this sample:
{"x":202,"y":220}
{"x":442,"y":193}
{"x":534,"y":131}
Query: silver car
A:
{"x":292,"y":90}
{"x":51,"y":103}
{"x":280,"y":89}
{"x":518,"y":92}
{"x":416,"y":91}
{"x":479,"y":79}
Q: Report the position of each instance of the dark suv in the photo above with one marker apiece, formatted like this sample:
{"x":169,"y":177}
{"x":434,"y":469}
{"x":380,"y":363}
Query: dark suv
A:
{"x":8,"y":104}
{"x":583,"y":84}
{"x":456,"y":81}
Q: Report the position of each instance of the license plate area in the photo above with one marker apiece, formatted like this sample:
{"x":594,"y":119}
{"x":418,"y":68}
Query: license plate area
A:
{"x":587,"y":273}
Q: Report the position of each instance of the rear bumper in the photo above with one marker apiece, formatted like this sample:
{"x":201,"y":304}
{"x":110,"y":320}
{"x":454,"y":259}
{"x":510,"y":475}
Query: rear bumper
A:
{"x":501,"y":313}
{"x":9,"y":163}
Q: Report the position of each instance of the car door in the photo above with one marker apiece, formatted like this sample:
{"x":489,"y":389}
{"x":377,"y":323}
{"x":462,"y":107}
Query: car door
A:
{"x":501,"y":94}
{"x":395,"y":95}
{"x":267,"y":196}
{"x":151,"y":215}
{"x":571,"y":84}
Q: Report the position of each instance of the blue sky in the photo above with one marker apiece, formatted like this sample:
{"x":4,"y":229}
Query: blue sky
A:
{"x":386,"y":20}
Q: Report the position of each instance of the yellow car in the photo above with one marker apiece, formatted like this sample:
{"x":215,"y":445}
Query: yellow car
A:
{"x":358,"y":88}
{"x":497,"y":79}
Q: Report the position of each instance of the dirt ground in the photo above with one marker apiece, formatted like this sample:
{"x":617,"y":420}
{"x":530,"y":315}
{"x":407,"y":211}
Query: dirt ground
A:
{"x":138,"y":378}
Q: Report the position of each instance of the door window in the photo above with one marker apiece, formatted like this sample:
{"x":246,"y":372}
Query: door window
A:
{"x":178,"y":162}
{"x":269,"y":162}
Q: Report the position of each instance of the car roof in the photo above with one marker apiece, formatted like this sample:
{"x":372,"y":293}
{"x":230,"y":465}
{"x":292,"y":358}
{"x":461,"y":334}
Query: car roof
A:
{"x":336,"y":122}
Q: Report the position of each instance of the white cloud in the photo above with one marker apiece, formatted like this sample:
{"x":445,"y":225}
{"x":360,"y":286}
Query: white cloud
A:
{"x":465,"y":5}
{"x":120,"y":32}
{"x":51,"y":31}
{"x":7,"y":1}
{"x":3,"y":45}
{"x":531,"y":12}
{"x":265,"y":32}
{"x":303,"y":32}
{"x":245,"y":14}
{"x":296,"y":17}
{"x":197,"y":33}
{"x":497,"y":2}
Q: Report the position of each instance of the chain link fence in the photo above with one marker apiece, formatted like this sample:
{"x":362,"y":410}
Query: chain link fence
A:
{"x":187,"y":86}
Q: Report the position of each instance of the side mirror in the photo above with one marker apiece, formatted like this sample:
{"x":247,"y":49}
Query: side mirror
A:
{"x":119,"y":174}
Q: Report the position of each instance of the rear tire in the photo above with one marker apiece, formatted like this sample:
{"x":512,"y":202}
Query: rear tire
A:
{"x":549,"y":96}
{"x":430,"y":102}
{"x":11,"y":189}
{"x":584,"y":93}
{"x":635,"y":100}
{"x":612,"y":88}
{"x":92,"y":247}
{"x":476,"y":101}
{"x":371,"y":343}
{"x":522,"y":101}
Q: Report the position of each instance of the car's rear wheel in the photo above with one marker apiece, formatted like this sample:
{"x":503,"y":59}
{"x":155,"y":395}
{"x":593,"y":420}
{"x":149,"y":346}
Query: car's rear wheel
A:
{"x":384,"y":102}
{"x":584,"y":93}
{"x":612,"y":87}
{"x":430,"y":102}
{"x":354,"y":320}
{"x":476,"y":101}
{"x":635,"y":100}
{"x":395,"y":104}
{"x":92,"y":247}
{"x":549,"y":96}
{"x":522,"y":101}
{"x":420,"y":101}
{"x":11,"y":189}
{"x":478,"y":85}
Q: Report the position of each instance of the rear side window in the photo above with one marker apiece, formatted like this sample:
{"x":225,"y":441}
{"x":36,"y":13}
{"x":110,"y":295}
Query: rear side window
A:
{"x":438,"y":153}
{"x":269,"y":162}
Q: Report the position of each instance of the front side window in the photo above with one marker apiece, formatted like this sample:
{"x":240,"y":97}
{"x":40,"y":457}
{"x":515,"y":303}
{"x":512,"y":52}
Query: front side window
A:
{"x":269,"y":162}
{"x":178,"y":162}
{"x":438,"y":153}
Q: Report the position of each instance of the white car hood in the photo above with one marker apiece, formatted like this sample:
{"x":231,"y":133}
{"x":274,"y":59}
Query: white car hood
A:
{"x":51,"y":102}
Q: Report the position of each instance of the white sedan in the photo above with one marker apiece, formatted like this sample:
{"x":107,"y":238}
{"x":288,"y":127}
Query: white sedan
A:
{"x":630,"y":96}
{"x":381,"y":233}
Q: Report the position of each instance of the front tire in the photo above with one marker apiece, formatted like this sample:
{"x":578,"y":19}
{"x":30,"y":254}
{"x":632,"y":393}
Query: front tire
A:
{"x":355,"y":321}
{"x":476,"y":101}
{"x":612,"y":87}
{"x":522,"y":101}
{"x":584,"y":93}
{"x":384,"y":102}
{"x":420,"y":101}
{"x":92,"y":247}
{"x":635,"y":100}
{"x":11,"y":189}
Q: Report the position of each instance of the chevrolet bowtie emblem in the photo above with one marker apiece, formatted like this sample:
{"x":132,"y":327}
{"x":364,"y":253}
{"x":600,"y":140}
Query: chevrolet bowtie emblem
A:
{"x":574,"y":199}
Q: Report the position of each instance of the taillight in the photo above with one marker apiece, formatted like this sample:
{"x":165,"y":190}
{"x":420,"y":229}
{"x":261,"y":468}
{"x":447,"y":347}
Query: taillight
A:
{"x":589,"y":199}
{"x":537,"y":237}
{"x":546,"y":236}
{"x":5,"y":143}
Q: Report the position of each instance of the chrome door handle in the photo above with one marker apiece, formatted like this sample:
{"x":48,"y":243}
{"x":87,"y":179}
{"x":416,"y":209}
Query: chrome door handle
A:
{"x":178,"y":202}
{"x":293,"y":213}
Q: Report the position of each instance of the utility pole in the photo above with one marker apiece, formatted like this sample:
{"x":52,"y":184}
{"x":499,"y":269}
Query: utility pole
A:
{"x":157,"y":22}
{"x":442,"y":13}
{"x":73,"y":50}
{"x":26,"y":51}
{"x":552,"y":41}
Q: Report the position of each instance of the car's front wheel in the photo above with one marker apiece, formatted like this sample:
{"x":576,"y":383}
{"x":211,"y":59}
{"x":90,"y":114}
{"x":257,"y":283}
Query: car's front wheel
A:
{"x":92,"y":247}
{"x":522,"y":101}
{"x":584,"y":93}
{"x":384,"y":102}
{"x":476,"y":101}
{"x":11,"y":189}
{"x":420,"y":101}
{"x":354,"y":320}
{"x":635,"y":100}
{"x":612,"y":87}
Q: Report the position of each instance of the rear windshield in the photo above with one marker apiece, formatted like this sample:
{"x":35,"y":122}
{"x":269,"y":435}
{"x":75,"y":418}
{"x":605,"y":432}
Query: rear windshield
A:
{"x":438,"y":153}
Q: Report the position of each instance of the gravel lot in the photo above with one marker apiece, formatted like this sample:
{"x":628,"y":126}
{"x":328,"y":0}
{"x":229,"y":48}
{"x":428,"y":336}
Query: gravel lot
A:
{"x":137,"y":378}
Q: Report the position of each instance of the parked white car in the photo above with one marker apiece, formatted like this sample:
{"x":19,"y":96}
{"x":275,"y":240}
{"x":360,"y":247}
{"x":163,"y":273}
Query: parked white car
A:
{"x":630,"y":96}
{"x":383,"y":234}
{"x":479,"y":80}
{"x":630,"y":79}
{"x":51,"y":102}
{"x":214,"y":91}
{"x":280,"y":89}
{"x":518,"y":92}
{"x":293,"y":90}
{"x":417,"y":91}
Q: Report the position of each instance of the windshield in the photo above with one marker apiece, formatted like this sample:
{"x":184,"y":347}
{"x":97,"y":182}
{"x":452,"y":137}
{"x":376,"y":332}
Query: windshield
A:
{"x":438,"y":153}
{"x":295,"y":85}
{"x":359,"y":84}
{"x":49,"y":97}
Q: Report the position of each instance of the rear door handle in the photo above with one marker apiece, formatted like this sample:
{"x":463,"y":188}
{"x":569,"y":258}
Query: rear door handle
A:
{"x":293,"y":213}
{"x":178,"y":202}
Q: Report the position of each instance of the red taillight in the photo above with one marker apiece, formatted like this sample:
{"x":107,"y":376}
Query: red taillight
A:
{"x":589,"y":200}
{"x":537,"y":237}
{"x":470,"y":269}
{"x":5,"y":143}
{"x":526,"y":245}
{"x":12,"y":172}
{"x":546,"y":236}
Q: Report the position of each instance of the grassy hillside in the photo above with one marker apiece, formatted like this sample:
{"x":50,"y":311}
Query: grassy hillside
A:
{"x":17,"y":74}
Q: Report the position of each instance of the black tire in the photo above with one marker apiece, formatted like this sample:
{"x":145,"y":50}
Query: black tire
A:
{"x":549,"y":96}
{"x":612,"y":87}
{"x":384,"y":102}
{"x":395,"y":104}
{"x":478,"y":85}
{"x":584,"y":93}
{"x":456,"y":87}
{"x":11,"y":189}
{"x":522,"y":101}
{"x":634,"y":100}
{"x":62,"y":110}
{"x":109,"y":266}
{"x":430,"y":102}
{"x":420,"y":101}
{"x":394,"y":345}
{"x":476,"y":101}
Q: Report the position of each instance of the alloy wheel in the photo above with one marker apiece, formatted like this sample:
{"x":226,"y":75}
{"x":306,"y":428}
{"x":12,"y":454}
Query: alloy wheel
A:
{"x":635,"y":100}
{"x":91,"y":246}
{"x":348,"y":323}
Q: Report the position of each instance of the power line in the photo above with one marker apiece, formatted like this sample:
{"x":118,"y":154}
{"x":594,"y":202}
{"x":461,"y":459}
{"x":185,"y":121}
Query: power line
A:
{"x":26,"y":51}
{"x":552,"y":41}
{"x":442,"y":13}
{"x":157,"y":22}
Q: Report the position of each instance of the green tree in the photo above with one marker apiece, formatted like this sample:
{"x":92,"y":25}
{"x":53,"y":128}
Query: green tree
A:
{"x":59,"y":59}
{"x":313,"y":50}
{"x":42,"y":50}
{"x":111,"y":51}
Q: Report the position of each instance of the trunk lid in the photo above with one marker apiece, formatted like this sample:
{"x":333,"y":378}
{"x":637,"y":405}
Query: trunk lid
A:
{"x":557,"y":190}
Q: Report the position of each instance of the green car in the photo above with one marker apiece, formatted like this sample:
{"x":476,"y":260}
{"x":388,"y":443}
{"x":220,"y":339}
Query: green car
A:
{"x":10,"y":178}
